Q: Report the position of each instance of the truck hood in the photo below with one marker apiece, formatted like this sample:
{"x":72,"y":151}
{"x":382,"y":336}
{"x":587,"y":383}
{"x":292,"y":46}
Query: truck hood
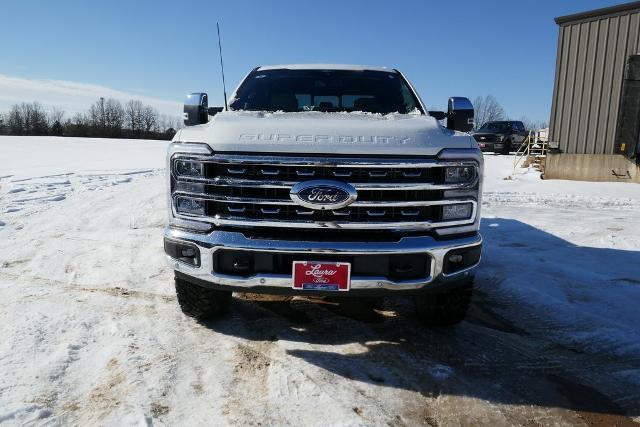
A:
{"x":325,"y":133}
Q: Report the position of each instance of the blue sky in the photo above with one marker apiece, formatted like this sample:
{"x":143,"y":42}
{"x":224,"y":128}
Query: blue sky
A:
{"x":165,"y":49}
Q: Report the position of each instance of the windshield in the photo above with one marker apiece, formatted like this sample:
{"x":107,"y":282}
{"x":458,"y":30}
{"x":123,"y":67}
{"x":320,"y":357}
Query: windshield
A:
{"x":496,"y":126}
{"x":325,"y":90}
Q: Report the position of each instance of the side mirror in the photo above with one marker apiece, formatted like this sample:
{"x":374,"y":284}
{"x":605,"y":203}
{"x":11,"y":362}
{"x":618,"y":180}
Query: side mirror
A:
{"x":460,"y":114}
{"x":438,"y":115}
{"x":196,"y":109}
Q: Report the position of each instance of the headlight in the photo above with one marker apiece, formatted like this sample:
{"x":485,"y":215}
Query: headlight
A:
{"x":459,"y":174}
{"x":457,"y":211}
{"x":189,"y":168}
{"x":186,"y":205}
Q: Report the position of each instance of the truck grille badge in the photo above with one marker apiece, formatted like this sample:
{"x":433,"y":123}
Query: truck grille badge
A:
{"x":323,"y":194}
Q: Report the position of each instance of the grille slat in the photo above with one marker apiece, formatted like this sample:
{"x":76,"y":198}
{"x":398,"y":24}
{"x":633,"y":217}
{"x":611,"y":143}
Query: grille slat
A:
{"x":236,"y":171}
{"x":235,"y":209}
{"x":291,"y":213}
{"x":305,"y":172}
{"x":358,"y":174}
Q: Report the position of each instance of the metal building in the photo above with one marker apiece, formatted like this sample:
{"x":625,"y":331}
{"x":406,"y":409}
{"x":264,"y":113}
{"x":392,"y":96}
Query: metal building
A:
{"x":595,"y":114}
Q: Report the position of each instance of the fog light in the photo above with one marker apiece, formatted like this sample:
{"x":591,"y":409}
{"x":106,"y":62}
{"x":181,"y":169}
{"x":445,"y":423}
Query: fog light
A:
{"x":455,"y":258}
{"x":460,"y":259}
{"x":190,"y":206}
{"x":185,"y":252}
{"x":456,"y":211}
{"x":188,"y":252}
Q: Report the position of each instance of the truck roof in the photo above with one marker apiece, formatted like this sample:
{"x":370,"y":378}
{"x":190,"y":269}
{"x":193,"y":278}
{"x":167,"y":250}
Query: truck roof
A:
{"x":347,"y":67}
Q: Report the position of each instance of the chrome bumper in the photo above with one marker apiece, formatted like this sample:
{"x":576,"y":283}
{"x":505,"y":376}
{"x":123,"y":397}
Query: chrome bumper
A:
{"x":216,"y":240}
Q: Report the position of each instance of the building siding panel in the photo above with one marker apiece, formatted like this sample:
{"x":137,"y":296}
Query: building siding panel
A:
{"x":596,"y":86}
{"x":575,"y":143}
{"x":591,"y":57}
{"x":614,"y":54}
{"x":605,"y":100}
{"x":556,"y":82}
{"x":555,"y":125}
{"x":570,"y":85}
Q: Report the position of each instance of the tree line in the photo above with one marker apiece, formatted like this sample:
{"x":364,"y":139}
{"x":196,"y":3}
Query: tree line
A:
{"x":106,"y":118}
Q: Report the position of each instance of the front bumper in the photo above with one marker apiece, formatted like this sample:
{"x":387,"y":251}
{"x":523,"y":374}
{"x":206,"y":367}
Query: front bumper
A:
{"x":207,"y":244}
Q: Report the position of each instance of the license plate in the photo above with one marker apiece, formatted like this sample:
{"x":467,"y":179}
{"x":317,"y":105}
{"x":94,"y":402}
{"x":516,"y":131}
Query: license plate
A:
{"x":321,"y":276}
{"x":482,"y":145}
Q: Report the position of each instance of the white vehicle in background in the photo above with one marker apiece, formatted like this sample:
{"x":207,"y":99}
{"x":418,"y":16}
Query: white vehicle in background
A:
{"x":325,"y":180}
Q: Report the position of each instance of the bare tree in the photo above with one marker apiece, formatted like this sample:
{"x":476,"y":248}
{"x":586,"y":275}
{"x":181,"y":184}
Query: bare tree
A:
{"x":107,"y":117}
{"x":97,"y":116}
{"x":15,"y":122}
{"x":114,"y":117}
{"x":133,"y":112}
{"x":487,"y":109}
{"x":78,"y":126}
{"x":80,"y":120}
{"x":54,"y":121}
{"x":55,"y":115}
{"x":38,"y":119}
{"x":149,"y":119}
{"x":27,"y":119}
{"x":166,"y":122}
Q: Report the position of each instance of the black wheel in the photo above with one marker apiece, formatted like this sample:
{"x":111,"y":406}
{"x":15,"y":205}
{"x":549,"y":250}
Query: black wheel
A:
{"x":446,"y":308}
{"x":201,"y":303}
{"x":506,"y":148}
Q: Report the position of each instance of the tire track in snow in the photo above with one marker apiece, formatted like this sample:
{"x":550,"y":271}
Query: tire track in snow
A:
{"x":249,"y":390}
{"x":35,"y":193}
{"x":117,"y":289}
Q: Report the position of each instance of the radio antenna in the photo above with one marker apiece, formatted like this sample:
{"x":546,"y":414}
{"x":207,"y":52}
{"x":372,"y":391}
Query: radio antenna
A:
{"x":224,"y":86}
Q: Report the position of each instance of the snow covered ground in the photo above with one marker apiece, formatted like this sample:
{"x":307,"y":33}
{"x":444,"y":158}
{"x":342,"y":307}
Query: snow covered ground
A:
{"x":92,"y":333}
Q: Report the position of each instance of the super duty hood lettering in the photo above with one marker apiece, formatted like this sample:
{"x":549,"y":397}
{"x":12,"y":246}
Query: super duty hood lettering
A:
{"x":323,"y":139}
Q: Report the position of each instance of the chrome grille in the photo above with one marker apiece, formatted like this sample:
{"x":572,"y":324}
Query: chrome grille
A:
{"x":253,"y":191}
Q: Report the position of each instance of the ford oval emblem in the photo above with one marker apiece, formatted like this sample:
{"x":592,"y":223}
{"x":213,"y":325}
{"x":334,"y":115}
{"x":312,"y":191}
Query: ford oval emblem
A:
{"x":323,"y":194}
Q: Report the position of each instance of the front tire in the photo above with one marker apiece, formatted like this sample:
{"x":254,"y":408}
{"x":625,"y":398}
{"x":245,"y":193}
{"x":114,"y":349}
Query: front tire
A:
{"x":445,"y":308}
{"x":201,"y":303}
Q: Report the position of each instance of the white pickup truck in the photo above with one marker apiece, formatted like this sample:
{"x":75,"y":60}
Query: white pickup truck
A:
{"x":325,"y":180}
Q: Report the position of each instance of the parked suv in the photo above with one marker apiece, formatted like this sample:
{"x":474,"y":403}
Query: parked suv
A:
{"x":500,"y":137}
{"x":325,"y":180}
